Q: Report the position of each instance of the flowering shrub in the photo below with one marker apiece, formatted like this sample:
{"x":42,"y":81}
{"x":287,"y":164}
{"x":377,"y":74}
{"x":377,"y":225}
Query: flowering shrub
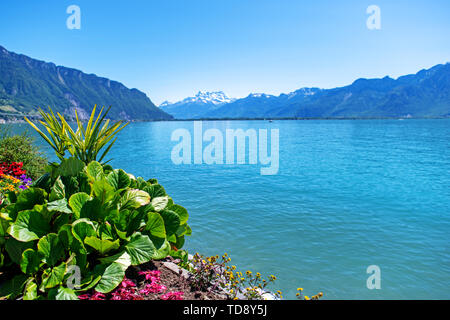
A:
{"x":90,"y":216}
{"x":12,"y":179}
{"x":209,"y":273}
{"x":9,"y":184}
{"x":14,"y":169}
{"x":21,"y":149}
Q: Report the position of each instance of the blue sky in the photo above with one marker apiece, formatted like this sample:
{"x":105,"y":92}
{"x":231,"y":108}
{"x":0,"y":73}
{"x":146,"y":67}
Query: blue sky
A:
{"x":172,"y":49}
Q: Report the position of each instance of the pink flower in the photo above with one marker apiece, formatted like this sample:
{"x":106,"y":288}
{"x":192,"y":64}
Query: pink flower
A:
{"x":172,"y":296}
{"x":95,"y":296}
{"x":98,"y":296}
{"x":153,"y":287}
{"x":153,"y":276}
{"x":126,"y":283}
{"x":125,"y":294}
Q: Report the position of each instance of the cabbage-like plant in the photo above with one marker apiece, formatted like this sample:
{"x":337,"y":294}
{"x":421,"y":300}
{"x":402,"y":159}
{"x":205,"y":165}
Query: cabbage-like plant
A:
{"x":83,"y":220}
{"x":85,"y":143}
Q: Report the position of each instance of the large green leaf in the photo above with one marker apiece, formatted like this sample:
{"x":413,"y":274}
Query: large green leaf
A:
{"x":58,"y":190}
{"x":171,"y":221}
{"x":70,"y":167}
{"x":179,"y":243}
{"x":94,"y":210}
{"x":31,"y":261}
{"x":103,"y":190}
{"x":181,"y":212}
{"x":30,"y":290}
{"x":160,"y":203}
{"x":13,"y":287}
{"x":77,"y":201}
{"x":83,"y":228}
{"x":140,"y":249}
{"x":155,"y":225}
{"x":62,"y":293}
{"x":184,"y":229}
{"x":59,"y":206}
{"x":105,"y":231}
{"x":122,"y":258}
{"x":29,"y":226}
{"x":15,"y":249}
{"x":65,"y":294}
{"x":65,"y":235}
{"x":94,"y":171}
{"x":118,"y":179}
{"x":51,"y":249}
{"x":133,"y":199}
{"x":5,"y":222}
{"x":53,"y":277}
{"x":111,"y":278}
{"x":155,"y":190}
{"x":162,"y":248}
{"x":42,"y":182}
{"x":102,"y":246}
{"x":81,"y":254}
{"x":28,"y":198}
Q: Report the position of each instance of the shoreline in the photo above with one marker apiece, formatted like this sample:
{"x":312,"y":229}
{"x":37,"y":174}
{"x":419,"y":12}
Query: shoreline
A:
{"x":7,"y":121}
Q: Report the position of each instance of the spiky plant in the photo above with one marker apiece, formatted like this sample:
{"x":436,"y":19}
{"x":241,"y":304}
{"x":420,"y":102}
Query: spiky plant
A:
{"x":85,"y":143}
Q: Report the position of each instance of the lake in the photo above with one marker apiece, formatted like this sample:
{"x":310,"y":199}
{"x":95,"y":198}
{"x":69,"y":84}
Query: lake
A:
{"x":348,"y":194}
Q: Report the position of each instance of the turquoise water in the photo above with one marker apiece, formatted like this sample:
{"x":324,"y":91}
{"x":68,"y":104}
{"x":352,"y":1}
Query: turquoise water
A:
{"x":348,"y":194}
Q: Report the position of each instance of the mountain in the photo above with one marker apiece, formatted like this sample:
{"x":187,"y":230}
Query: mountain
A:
{"x":26,"y":84}
{"x":258,"y":105}
{"x":424,"y":94}
{"x":197,"y":106}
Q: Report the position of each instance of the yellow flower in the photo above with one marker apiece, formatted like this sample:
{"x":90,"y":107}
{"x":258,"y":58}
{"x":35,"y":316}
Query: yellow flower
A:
{"x":306,"y":298}
{"x":299,"y":289}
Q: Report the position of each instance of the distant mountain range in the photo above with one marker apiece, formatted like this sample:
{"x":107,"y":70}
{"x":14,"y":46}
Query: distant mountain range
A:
{"x":26,"y":84}
{"x":198,"y":106}
{"x":424,"y":94}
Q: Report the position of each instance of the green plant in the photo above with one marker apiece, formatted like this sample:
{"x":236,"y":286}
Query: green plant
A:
{"x":86,"y":142}
{"x":21,"y":148}
{"x":89,"y":218}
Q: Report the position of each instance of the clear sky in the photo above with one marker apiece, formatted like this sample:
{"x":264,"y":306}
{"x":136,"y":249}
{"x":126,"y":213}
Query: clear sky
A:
{"x":172,"y":49}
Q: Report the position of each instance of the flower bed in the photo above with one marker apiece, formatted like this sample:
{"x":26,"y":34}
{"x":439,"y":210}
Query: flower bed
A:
{"x":13,"y":178}
{"x":154,"y":281}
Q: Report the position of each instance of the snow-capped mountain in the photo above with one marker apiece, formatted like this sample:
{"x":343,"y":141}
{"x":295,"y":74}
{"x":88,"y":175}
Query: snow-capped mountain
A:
{"x":194,"y":107}
{"x":205,"y":97}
